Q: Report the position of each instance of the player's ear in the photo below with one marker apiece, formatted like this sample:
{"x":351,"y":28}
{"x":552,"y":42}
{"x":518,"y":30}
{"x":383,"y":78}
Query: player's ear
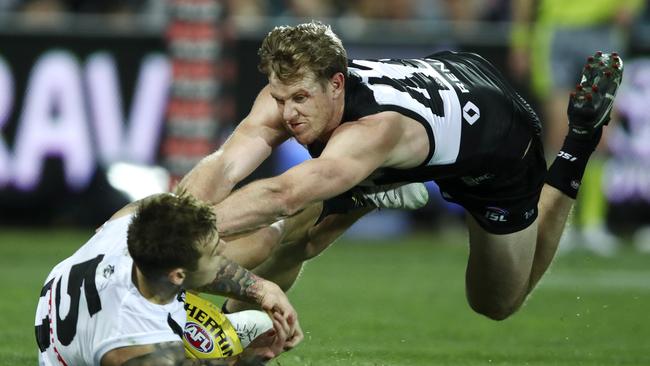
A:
{"x":177,"y":276}
{"x":337,"y":81}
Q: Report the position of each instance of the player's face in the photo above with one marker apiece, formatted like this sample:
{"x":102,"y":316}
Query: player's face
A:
{"x":308,"y":108}
{"x":208,"y":262}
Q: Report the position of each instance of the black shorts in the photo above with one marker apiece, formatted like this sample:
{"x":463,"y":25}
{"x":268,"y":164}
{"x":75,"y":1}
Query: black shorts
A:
{"x":499,"y":170}
{"x":502,"y":197}
{"x":501,"y":188}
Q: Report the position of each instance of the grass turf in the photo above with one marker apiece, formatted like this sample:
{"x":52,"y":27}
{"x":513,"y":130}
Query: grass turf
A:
{"x":401,"y":302}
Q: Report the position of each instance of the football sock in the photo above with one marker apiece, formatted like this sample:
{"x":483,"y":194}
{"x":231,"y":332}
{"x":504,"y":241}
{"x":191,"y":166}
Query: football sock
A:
{"x":340,"y":204}
{"x":224,"y":307}
{"x":569,"y":165}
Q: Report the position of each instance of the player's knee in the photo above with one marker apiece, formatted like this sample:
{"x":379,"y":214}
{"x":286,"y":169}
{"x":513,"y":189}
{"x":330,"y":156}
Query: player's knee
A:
{"x":316,"y":246}
{"x":305,"y":250}
{"x":495,"y":310}
{"x":301,"y":253}
{"x":302,"y":250}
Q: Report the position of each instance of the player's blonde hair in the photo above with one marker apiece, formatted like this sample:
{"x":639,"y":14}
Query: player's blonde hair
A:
{"x":289,"y":53}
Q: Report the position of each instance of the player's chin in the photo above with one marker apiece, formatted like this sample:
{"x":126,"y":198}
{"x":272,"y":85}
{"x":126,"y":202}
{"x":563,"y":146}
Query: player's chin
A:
{"x":304,"y":139}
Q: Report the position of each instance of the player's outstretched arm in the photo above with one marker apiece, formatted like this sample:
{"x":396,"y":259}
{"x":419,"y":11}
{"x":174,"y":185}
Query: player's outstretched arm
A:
{"x":353,"y":152}
{"x":264,"y":348}
{"x":168,"y":354}
{"x":171,"y":354}
{"x":214,"y":177}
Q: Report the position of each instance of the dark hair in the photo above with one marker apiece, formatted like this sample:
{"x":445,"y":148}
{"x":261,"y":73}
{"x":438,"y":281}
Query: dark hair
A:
{"x":288,"y":52}
{"x":166,"y":232}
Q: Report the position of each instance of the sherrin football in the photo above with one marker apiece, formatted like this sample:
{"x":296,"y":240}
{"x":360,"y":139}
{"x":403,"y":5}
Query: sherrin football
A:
{"x":208,"y":333}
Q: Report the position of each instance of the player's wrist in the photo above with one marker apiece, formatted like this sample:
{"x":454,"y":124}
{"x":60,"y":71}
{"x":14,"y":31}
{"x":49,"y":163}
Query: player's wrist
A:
{"x":267,"y":291}
{"x":259,"y":289}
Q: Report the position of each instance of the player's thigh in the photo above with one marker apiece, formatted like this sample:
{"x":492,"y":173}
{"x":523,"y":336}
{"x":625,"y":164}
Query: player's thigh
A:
{"x":252,"y":249}
{"x":312,"y":239}
{"x":331,"y":228}
{"x":499,"y":266}
{"x":284,"y":264}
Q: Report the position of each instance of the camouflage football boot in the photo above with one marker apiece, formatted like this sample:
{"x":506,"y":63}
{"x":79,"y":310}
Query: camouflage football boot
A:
{"x":591,"y":102}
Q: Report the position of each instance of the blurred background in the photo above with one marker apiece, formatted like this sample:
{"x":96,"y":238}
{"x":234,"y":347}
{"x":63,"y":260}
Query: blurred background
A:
{"x":104,"y":102}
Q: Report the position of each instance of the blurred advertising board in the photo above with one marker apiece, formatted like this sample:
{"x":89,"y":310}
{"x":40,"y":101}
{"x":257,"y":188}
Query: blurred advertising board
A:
{"x":71,"y":105}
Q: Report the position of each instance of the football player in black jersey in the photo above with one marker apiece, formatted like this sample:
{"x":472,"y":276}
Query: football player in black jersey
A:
{"x":448,"y":117}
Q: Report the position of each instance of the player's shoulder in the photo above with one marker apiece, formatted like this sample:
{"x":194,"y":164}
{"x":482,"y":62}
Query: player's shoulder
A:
{"x":373,"y":123}
{"x":372,"y":130}
{"x":385,"y":121}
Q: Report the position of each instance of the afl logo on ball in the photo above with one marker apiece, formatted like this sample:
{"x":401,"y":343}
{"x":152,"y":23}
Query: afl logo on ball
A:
{"x":198,"y":338}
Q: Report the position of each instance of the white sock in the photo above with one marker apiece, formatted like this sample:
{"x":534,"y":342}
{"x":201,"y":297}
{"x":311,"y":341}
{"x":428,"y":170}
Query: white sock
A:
{"x":249,"y":324}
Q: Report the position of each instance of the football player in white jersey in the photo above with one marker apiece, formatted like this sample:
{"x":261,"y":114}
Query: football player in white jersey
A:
{"x":449,"y":117}
{"x":119,"y":299}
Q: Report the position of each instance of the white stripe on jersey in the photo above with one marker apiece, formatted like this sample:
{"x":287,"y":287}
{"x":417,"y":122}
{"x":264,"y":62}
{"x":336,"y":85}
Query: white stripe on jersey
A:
{"x":446,"y":129}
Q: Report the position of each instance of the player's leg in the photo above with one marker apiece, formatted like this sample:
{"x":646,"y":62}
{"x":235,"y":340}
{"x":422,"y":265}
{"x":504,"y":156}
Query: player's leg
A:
{"x":309,"y":233}
{"x":554,"y":207}
{"x":589,"y":110}
{"x":310,"y":236}
{"x":252,"y":249}
{"x":285,"y":263}
{"x":302,"y":242}
{"x":503,"y":269}
{"x":498,"y":269}
{"x":527,"y":254}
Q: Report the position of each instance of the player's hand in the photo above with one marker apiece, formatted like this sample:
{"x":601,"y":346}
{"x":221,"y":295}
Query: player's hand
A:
{"x":266,"y":346}
{"x":273,"y":301}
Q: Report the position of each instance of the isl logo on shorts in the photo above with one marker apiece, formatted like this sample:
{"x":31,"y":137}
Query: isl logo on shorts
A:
{"x":198,"y":338}
{"x":496,"y":214}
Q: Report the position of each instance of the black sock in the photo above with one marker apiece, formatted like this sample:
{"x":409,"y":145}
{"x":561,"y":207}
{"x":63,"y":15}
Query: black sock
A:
{"x":342,"y":203}
{"x":569,"y":165}
{"x":224,"y":307}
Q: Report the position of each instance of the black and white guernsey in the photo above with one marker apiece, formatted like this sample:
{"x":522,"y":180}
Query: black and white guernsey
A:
{"x":468,"y":110}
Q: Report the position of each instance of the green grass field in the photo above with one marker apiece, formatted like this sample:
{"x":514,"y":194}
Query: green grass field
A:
{"x":401,"y":302}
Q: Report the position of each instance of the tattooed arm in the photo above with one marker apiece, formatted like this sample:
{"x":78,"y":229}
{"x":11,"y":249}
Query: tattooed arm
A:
{"x":234,"y":281}
{"x":171,"y":354}
{"x":265,"y":347}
